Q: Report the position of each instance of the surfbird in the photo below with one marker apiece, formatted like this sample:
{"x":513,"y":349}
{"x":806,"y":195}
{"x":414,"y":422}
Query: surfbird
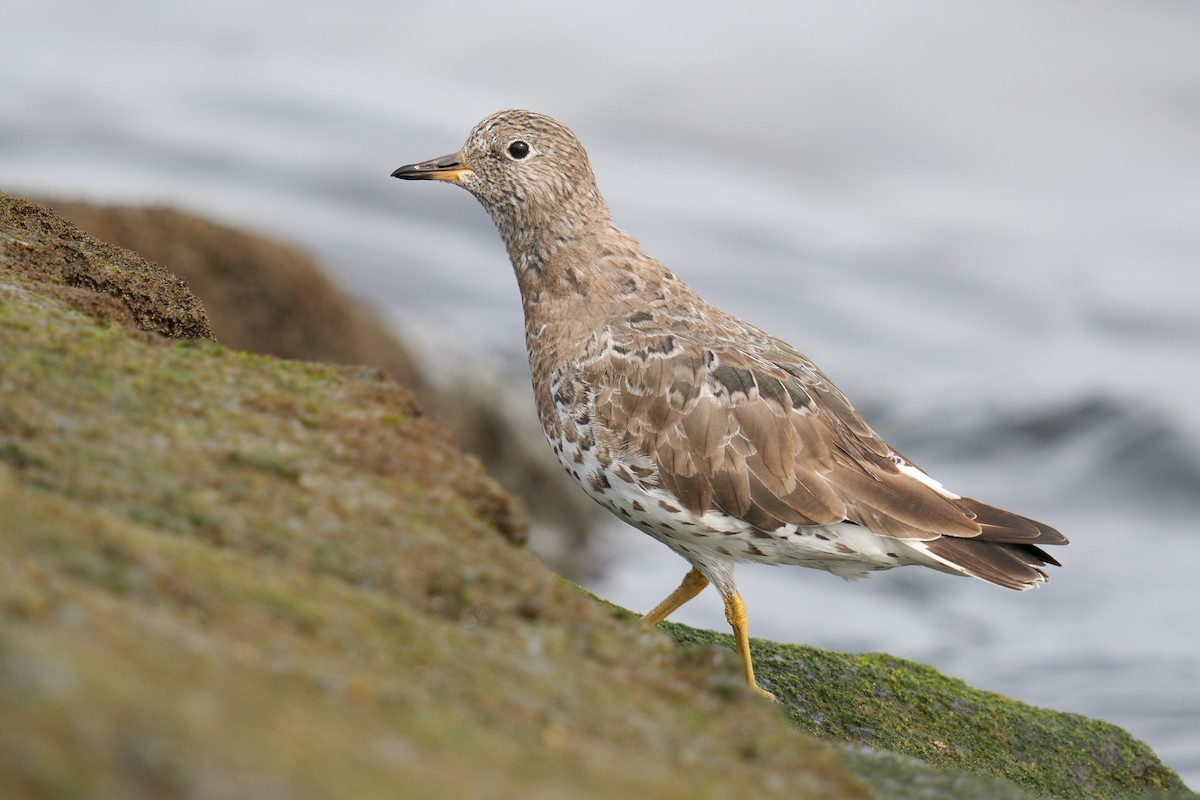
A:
{"x":721,"y":441}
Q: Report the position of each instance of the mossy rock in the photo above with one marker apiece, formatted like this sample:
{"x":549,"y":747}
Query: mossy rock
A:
{"x":888,"y":703}
{"x":42,"y":249}
{"x":227,"y":575}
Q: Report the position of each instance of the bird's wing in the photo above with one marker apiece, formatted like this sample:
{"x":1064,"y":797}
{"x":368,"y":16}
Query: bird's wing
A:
{"x":767,"y":438}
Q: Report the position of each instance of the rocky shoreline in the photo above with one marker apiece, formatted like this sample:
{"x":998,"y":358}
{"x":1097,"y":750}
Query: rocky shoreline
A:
{"x":225,"y":574}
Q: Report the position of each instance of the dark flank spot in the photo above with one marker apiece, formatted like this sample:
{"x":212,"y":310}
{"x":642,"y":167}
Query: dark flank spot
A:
{"x":624,"y":512}
{"x":733,"y":379}
{"x":757,"y":534}
{"x":754,"y":551}
{"x":584,"y":419}
{"x":621,"y":351}
{"x":599,"y":481}
{"x":578,"y":457}
{"x":623,"y":474}
{"x":724,"y":552}
{"x":638,"y":316}
{"x":665,"y":526}
{"x":665,"y":506}
{"x":638,"y":506}
{"x":588,"y":441}
{"x":564,"y":394}
{"x":822,"y":537}
{"x":666,"y":345}
{"x":643,"y":472}
{"x":710,"y":358}
{"x":842,"y":548}
{"x":691,"y":525}
{"x":668,"y":276}
{"x":628,"y":287}
{"x":892,"y":555}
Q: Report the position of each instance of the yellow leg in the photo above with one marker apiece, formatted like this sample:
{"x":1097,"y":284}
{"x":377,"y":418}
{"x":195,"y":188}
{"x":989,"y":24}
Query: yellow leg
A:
{"x":693,"y":583}
{"x":735,"y":612}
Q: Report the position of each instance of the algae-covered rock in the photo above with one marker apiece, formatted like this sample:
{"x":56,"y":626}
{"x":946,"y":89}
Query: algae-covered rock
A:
{"x":228,"y":575}
{"x":891,"y":704}
{"x":109,"y":282}
{"x":260,"y":295}
{"x":225,"y":575}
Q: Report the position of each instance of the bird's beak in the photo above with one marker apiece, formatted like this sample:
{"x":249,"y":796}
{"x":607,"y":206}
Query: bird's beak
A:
{"x":447,"y":168}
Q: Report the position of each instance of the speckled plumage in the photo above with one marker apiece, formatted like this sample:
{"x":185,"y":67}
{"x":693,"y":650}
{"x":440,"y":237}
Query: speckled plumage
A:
{"x":723,"y":442}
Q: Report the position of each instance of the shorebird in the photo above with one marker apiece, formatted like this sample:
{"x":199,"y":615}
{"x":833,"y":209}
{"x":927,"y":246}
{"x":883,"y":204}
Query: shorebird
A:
{"x":721,"y":441}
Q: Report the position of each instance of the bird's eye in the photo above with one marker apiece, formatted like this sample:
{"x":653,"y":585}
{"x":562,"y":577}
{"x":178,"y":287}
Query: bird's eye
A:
{"x":518,"y":149}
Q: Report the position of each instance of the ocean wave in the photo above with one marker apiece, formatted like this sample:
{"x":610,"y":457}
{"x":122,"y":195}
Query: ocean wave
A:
{"x":1097,"y":445}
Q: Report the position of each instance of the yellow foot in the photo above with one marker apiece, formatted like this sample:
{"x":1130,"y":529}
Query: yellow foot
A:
{"x":735,"y":613}
{"x":761,"y":692}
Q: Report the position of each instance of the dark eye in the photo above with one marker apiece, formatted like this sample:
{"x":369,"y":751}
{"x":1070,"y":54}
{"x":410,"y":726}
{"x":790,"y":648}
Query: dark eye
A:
{"x":518,"y":149}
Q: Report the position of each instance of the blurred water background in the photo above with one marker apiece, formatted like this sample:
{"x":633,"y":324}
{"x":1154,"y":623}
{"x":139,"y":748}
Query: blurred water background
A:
{"x":981,"y":219}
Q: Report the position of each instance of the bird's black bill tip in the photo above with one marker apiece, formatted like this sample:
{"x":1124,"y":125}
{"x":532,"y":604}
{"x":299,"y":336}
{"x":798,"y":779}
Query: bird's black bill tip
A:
{"x":447,"y":168}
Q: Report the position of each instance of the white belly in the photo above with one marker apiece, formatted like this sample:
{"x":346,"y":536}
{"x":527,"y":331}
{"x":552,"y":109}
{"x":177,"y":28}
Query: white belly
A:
{"x":717,"y":540}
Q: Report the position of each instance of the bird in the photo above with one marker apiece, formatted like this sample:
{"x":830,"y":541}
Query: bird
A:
{"x":721,"y":441}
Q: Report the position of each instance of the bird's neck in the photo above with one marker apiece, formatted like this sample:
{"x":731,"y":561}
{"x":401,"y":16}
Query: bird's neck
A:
{"x":554,"y":256}
{"x":575,"y":284}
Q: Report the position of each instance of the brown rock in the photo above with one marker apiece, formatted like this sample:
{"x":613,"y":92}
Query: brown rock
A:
{"x":95,"y":277}
{"x":261,"y":296}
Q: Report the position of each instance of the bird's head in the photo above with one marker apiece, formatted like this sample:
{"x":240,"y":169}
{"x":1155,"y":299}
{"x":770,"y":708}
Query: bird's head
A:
{"x":527,"y":170}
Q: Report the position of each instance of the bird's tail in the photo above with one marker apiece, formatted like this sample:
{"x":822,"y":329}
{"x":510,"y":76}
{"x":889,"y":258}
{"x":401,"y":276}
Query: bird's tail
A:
{"x":1006,"y":553}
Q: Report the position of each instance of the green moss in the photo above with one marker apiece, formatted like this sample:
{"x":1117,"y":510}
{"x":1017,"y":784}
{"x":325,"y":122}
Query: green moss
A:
{"x":887,"y":703}
{"x":270,"y":461}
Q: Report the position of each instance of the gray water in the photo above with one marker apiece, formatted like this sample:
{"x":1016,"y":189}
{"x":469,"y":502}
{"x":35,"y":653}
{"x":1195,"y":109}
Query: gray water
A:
{"x":982,"y":219}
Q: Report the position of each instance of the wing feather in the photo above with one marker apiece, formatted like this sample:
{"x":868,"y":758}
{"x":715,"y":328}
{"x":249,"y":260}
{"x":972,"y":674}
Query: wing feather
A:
{"x":765,"y":437}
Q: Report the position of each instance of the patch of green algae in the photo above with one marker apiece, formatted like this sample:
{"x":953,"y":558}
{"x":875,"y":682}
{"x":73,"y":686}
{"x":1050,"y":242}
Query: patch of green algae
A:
{"x":230,"y":576}
{"x":888,"y":703}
